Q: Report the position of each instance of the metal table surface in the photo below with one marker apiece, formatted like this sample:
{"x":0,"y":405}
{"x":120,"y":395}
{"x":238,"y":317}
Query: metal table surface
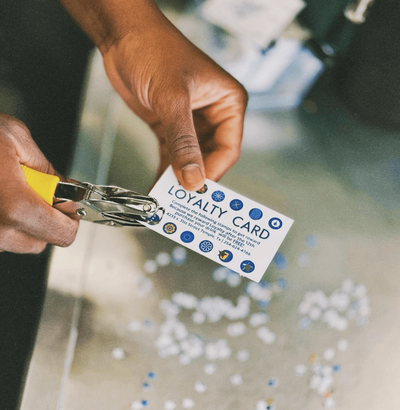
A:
{"x":320,"y":332}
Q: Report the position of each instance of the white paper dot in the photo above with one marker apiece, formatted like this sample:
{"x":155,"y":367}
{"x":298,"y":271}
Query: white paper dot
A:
{"x":315,"y":313}
{"x":330,"y":403}
{"x":185,"y":300}
{"x":360,"y":291}
{"x":187,"y":403}
{"x":343,"y":344}
{"x":329,"y":354}
{"x":144,"y":285}
{"x":257,"y":319}
{"x":136,"y":405}
{"x":300,"y":370}
{"x":220,"y":274}
{"x":163,"y":259}
{"x":243,"y":355}
{"x":150,"y":267}
{"x":266,"y":335}
{"x":233,"y":280}
{"x":210,"y":368}
{"x":303,"y":259}
{"x":118,"y":353}
{"x":315,"y":381}
{"x":199,"y":317}
{"x":236,"y":379}
{"x":261,"y":405}
{"x":134,"y":326}
{"x":236,"y":329}
{"x":184,"y":359}
{"x":200,"y":387}
{"x":179,"y":255}
{"x":169,"y":405}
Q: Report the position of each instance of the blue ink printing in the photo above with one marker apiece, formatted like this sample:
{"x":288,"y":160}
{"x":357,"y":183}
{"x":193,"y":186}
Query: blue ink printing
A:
{"x":187,"y":237}
{"x":255,"y":214}
{"x":275,"y":223}
{"x":236,"y":204}
{"x":225,"y":255}
{"x":169,"y":228}
{"x":247,"y":266}
{"x":206,"y":246}
{"x":218,"y":196}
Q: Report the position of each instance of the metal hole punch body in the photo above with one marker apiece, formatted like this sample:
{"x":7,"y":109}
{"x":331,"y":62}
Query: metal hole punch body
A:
{"x":107,"y":205}
{"x":110,"y":205}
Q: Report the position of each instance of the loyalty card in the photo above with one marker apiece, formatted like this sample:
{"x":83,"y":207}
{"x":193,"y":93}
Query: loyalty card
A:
{"x":220,"y":224}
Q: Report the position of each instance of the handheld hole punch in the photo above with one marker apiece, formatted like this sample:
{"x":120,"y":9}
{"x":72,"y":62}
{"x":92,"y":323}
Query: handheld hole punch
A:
{"x":107,"y":205}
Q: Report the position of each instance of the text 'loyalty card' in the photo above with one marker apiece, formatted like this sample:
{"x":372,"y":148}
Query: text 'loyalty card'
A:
{"x":220,"y":224}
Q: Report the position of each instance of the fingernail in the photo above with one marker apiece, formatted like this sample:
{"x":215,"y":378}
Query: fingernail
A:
{"x":192,"y":175}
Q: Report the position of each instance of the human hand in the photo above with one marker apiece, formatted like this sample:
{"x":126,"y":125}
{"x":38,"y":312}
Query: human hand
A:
{"x":194,"y":107}
{"x":27,"y":222}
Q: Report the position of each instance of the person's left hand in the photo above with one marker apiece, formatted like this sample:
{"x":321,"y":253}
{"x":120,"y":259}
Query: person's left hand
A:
{"x":194,"y":107}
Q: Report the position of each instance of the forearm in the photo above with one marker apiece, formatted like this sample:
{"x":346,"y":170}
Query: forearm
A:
{"x":107,"y":21}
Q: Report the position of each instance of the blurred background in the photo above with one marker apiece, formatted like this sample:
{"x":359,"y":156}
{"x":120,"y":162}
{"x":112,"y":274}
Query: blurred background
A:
{"x":128,"y":320}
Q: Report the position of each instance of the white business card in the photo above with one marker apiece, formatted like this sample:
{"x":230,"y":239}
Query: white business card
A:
{"x":220,"y":224}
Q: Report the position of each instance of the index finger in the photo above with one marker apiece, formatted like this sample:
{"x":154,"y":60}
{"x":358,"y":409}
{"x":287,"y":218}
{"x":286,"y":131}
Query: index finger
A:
{"x":222,"y":149}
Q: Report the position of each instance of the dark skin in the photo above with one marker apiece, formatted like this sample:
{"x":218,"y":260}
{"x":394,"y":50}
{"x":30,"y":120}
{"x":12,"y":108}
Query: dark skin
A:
{"x":194,"y":107}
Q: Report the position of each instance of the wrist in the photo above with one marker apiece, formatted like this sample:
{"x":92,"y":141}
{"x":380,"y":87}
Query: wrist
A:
{"x":106,"y":22}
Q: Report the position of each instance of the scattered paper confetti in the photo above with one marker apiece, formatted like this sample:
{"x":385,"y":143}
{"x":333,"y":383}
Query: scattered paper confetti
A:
{"x":118,"y":353}
{"x":150,"y":267}
{"x":169,"y":405}
{"x":266,"y":335}
{"x":210,"y":368}
{"x":273,"y":382}
{"x":134,"y":326}
{"x":236,"y":379}
{"x":350,"y":302}
{"x":179,"y":255}
{"x":200,"y":387}
{"x":300,"y":370}
{"x":243,"y":355}
{"x":188,"y":403}
{"x":236,"y":329}
{"x":163,"y":259}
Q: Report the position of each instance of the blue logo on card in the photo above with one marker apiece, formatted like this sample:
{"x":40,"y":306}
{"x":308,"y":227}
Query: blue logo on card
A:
{"x":236,"y":204}
{"x":255,"y":214}
{"x":247,"y":266}
{"x":225,"y":256}
{"x":169,"y":228}
{"x":206,"y":246}
{"x":187,"y":236}
{"x":275,"y":223}
{"x":218,"y":196}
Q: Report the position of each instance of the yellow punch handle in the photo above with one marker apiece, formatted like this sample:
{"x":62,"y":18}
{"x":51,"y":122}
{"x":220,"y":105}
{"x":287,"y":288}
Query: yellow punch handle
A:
{"x":43,"y":184}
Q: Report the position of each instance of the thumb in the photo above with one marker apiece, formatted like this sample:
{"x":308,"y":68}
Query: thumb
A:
{"x":179,"y":144}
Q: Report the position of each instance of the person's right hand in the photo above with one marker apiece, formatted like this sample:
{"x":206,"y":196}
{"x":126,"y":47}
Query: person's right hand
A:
{"x":27,"y":222}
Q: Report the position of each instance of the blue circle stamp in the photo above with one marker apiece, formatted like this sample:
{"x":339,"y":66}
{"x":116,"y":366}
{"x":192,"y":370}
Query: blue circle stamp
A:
{"x":218,"y":196}
{"x":225,"y":255}
{"x":275,"y":223}
{"x":247,"y":266}
{"x":206,"y":246}
{"x":187,"y":236}
{"x":255,"y":214}
{"x":236,"y":204}
{"x":169,"y":228}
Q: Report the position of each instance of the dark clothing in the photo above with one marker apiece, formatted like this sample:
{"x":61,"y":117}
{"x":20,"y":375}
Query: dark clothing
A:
{"x":43,"y":59}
